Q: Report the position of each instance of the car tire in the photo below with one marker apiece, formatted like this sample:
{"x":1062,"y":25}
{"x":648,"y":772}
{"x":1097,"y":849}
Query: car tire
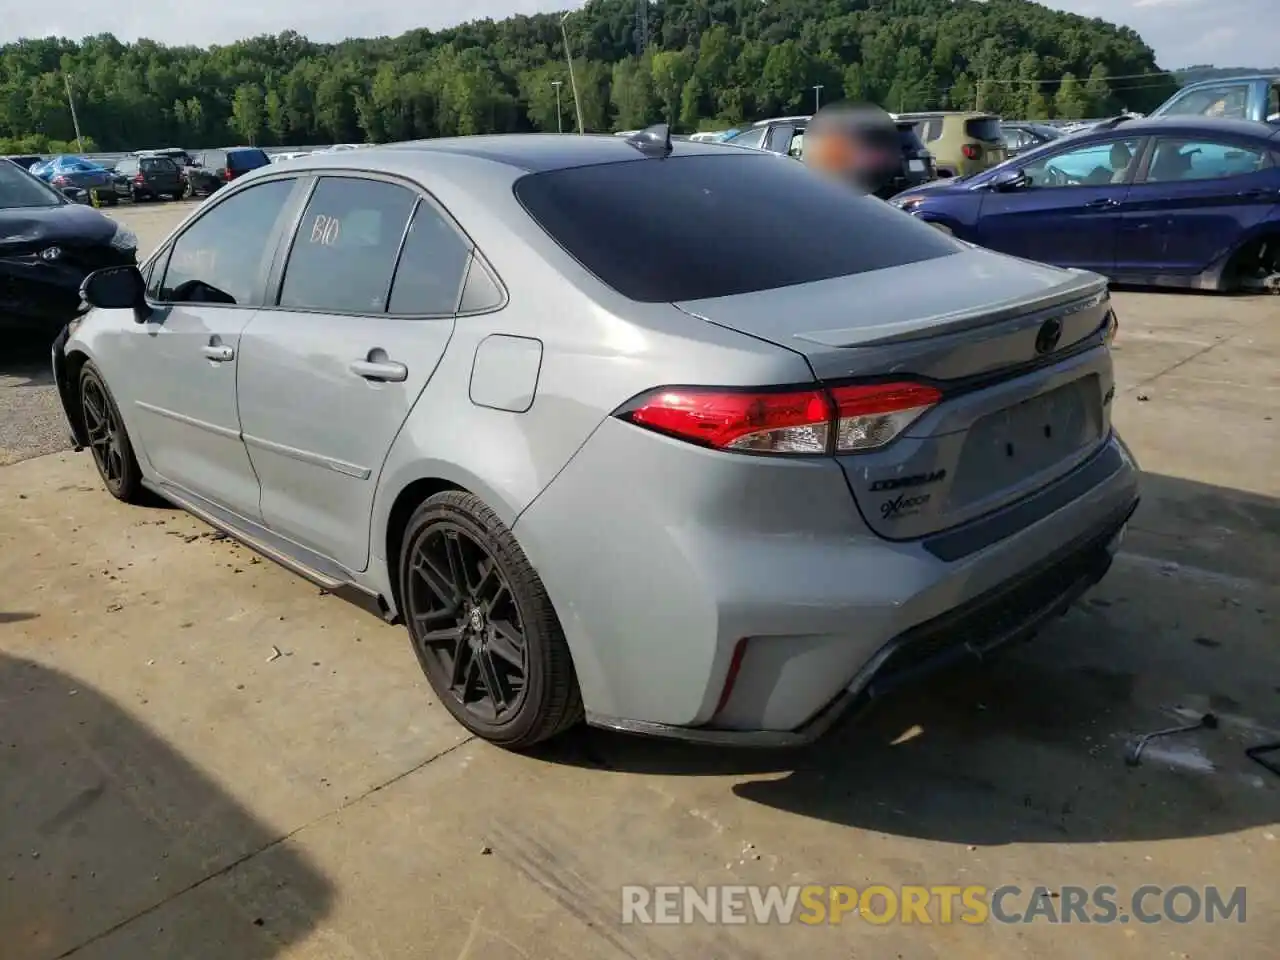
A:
{"x":474,"y":606}
{"x":108,"y":439}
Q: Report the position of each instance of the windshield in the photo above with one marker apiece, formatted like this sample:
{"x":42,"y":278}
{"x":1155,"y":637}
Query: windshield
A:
{"x":19,"y":189}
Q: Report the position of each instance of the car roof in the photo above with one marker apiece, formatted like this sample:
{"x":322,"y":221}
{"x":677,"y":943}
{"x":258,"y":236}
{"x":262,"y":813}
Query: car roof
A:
{"x":1187,"y":123}
{"x":534,"y":152}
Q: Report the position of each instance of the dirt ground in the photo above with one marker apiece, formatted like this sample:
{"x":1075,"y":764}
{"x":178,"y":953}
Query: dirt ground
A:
{"x":202,"y":758}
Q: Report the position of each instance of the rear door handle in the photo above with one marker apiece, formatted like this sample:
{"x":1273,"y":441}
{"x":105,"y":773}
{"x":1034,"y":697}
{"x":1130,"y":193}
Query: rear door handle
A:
{"x":381,"y":371}
{"x":218,"y":352}
{"x":1099,"y":204}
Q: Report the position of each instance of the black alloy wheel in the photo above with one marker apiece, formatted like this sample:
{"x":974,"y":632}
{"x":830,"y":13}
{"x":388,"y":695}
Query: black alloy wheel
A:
{"x":108,"y":440}
{"x":482,"y":626}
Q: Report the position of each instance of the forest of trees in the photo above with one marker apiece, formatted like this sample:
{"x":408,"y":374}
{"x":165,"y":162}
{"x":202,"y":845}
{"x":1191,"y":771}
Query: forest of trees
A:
{"x":708,"y":64}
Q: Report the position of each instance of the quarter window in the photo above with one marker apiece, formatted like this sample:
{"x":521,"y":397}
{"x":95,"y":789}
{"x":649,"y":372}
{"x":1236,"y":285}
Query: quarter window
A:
{"x":345,"y":250}
{"x":220,"y":258}
{"x":752,"y":138}
{"x":1176,"y":160}
{"x":432,"y":266}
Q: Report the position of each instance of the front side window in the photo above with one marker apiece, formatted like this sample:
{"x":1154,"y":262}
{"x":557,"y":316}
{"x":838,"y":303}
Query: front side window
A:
{"x":692,"y":227}
{"x":1092,"y":165}
{"x":432,"y":266}
{"x":1176,"y":160}
{"x":220,"y":258}
{"x":345,"y":249}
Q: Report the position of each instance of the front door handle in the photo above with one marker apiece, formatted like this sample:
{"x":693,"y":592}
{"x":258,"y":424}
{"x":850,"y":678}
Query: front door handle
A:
{"x":380,"y":371}
{"x":218,"y":352}
{"x":1099,"y":204}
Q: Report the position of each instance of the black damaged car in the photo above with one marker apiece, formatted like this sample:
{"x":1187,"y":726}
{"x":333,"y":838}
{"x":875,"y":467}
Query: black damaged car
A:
{"x":48,"y":244}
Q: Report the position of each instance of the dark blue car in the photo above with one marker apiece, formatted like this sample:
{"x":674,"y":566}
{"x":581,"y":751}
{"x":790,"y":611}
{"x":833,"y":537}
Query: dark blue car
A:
{"x":1173,"y":201}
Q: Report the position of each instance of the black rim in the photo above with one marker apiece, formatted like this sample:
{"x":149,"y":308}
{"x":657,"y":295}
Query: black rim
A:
{"x":105,"y":434}
{"x":464,"y":618}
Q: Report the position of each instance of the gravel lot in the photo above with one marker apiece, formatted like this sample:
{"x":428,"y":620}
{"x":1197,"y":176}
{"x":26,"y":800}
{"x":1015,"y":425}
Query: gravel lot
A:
{"x":30,"y":417}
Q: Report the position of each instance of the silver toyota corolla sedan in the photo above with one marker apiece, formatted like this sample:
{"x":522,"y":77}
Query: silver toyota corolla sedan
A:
{"x":668,"y":435}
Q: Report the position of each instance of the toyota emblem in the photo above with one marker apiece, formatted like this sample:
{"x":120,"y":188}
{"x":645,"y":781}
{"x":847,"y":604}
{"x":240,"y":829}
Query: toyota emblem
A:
{"x":1049,"y":335}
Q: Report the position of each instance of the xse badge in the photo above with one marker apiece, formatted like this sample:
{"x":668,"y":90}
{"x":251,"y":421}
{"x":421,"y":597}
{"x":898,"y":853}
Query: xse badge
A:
{"x":902,"y":506}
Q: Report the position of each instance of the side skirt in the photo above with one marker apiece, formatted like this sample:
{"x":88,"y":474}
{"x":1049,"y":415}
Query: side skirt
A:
{"x":294,"y":558}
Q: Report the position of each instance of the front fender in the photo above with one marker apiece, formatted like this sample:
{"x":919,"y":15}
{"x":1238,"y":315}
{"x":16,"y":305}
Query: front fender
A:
{"x":68,"y":391}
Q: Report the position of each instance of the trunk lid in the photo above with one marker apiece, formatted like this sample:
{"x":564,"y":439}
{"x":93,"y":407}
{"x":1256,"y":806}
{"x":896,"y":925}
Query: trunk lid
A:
{"x":1014,"y":416}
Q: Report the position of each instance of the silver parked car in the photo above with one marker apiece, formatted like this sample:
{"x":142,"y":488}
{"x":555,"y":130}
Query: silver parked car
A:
{"x":567,"y":407}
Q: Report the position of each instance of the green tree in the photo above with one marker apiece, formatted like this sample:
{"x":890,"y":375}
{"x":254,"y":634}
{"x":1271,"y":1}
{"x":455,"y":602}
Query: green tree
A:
{"x":247,"y":112}
{"x":632,"y":93}
{"x":671,"y":70}
{"x":1097,"y":92}
{"x":1070,"y":102}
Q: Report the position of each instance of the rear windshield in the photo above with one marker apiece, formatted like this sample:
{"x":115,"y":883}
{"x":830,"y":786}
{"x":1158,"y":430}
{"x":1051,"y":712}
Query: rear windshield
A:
{"x":690,"y":228}
{"x":909,"y":137}
{"x":246,"y":159}
{"x":984,"y":128}
{"x":158,"y":164}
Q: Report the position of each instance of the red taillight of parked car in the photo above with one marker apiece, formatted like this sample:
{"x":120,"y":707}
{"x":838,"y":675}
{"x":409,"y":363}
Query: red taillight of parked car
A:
{"x":60,"y":181}
{"x":139,"y":178}
{"x":970,"y":151}
{"x":843,"y":419}
{"x":227,"y":174}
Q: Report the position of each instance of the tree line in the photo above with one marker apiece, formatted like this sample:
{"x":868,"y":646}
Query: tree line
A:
{"x":703,"y":64}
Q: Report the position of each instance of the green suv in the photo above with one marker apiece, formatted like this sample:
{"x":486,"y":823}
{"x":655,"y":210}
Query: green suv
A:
{"x":962,"y":142}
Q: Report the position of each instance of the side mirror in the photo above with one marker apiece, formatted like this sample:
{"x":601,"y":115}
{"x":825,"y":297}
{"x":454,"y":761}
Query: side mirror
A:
{"x":1007,"y":180}
{"x":117,"y":288}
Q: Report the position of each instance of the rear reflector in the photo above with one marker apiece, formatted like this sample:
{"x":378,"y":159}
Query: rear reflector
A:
{"x":818,"y":421}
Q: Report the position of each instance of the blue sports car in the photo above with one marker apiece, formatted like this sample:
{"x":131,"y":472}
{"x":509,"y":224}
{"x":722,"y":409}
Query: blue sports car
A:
{"x":1173,"y":201}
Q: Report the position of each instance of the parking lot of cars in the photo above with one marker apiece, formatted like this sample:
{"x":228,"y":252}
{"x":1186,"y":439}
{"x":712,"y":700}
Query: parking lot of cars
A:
{"x":201,"y":752}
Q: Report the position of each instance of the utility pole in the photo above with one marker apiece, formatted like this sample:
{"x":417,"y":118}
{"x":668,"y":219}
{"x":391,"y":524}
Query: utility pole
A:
{"x":817,"y":96}
{"x":559,"y":111}
{"x":642,"y":26}
{"x":573,"y":81}
{"x":75,"y":122}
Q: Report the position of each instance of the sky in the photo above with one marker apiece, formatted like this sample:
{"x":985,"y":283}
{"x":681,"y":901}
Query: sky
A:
{"x":1182,"y":32}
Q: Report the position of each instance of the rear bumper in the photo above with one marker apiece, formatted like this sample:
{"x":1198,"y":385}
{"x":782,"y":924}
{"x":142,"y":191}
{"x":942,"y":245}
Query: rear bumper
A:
{"x":1003,"y":616}
{"x":659,"y":577}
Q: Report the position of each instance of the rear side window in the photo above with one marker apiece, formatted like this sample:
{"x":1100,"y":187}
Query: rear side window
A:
{"x":432,"y":266}
{"x":345,"y":250}
{"x":246,"y":159}
{"x":690,"y":228}
{"x":984,"y":128}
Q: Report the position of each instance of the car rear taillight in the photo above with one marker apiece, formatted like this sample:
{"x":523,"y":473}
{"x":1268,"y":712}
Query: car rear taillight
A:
{"x":970,"y":151}
{"x":139,"y":178}
{"x":843,"y":419}
{"x":60,"y":181}
{"x":227,"y":174}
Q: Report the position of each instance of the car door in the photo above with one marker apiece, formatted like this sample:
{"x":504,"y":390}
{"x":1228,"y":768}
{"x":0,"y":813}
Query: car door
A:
{"x":1065,"y":212}
{"x":186,"y":353}
{"x":366,"y":306}
{"x":1194,"y":202}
